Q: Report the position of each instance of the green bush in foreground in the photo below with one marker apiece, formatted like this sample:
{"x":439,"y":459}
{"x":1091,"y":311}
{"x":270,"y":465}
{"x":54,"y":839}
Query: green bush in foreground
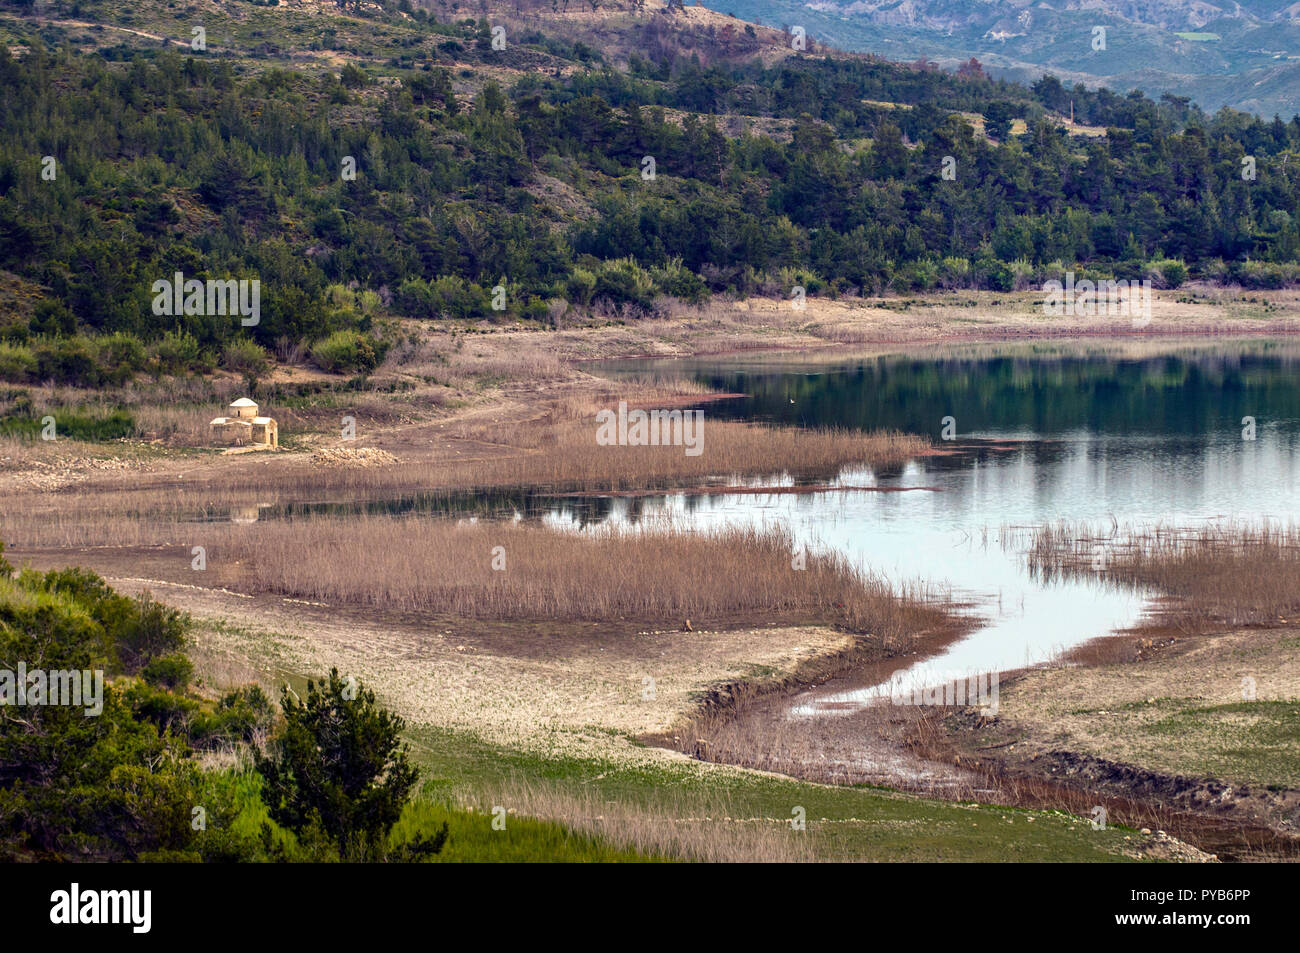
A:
{"x":83,"y":360}
{"x":245,"y":357}
{"x":114,"y":777}
{"x":91,"y":781}
{"x":17,"y":362}
{"x":340,"y":774}
{"x":177,"y":352}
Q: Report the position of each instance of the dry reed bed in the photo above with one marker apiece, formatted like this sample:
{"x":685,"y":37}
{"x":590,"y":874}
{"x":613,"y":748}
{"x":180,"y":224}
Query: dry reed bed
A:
{"x":1232,"y":573}
{"x":863,"y":746}
{"x":729,"y":451}
{"x":663,"y":575}
{"x":556,"y":451}
{"x":468,"y":361}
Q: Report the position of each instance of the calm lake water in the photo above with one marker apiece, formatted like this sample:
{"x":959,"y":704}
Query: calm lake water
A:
{"x":1142,"y":433}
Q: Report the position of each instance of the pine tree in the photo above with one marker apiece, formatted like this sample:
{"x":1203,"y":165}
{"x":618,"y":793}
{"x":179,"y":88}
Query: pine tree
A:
{"x":340,"y":769}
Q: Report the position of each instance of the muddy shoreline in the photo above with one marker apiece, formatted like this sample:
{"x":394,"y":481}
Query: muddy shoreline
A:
{"x":939,"y":752}
{"x":896,"y":331}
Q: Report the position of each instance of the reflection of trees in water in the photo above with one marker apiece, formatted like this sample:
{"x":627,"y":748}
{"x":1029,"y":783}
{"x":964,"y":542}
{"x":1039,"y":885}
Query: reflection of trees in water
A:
{"x":1183,"y":393}
{"x":493,"y":504}
{"x":1182,"y":396}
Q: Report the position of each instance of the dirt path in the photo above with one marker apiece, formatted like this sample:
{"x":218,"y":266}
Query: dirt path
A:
{"x":54,"y":21}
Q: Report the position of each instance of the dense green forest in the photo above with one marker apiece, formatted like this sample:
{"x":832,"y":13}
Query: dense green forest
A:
{"x":168,"y":161}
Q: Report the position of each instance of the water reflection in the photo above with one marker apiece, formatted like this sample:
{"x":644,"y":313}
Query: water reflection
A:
{"x":1137,"y":433}
{"x":1095,"y":435}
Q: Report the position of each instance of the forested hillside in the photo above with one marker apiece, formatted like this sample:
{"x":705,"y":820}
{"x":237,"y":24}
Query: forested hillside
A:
{"x":570,"y":179}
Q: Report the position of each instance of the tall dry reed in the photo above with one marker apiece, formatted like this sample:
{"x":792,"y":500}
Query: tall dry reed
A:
{"x":1231,"y":572}
{"x":674,"y":825}
{"x":556,"y":451}
{"x":527,"y":572}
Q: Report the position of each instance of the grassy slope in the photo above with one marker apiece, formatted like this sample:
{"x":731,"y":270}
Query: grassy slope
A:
{"x":1184,"y":715}
{"x":1253,"y":742}
{"x":844,"y":823}
{"x":1232,"y":608}
{"x":472,"y":839}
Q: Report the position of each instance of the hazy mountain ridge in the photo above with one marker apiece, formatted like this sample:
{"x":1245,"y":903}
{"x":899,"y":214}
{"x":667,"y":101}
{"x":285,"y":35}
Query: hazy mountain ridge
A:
{"x":954,"y":14}
{"x":1240,"y":54}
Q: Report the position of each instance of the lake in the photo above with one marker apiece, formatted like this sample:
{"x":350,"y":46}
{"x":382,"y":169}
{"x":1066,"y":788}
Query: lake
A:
{"x":1134,"y":433}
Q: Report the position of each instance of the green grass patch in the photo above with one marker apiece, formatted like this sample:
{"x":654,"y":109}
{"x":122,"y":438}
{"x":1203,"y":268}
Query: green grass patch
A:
{"x":472,"y":839}
{"x":844,"y":823}
{"x":1246,"y":742}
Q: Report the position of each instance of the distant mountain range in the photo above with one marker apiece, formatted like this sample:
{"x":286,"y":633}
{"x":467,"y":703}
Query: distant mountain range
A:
{"x":1241,"y":54}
